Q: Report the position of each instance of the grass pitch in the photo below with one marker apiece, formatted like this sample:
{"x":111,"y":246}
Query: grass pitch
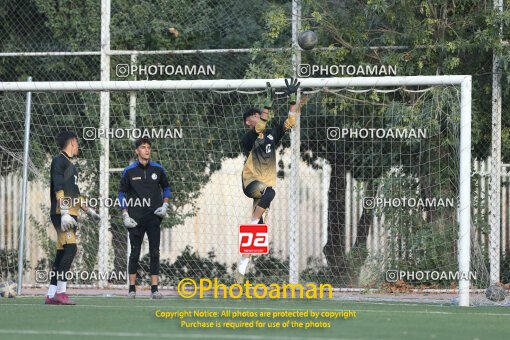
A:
{"x":118,"y":317}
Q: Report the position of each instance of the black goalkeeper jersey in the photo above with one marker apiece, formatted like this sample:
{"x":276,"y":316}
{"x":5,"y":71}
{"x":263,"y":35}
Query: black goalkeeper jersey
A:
{"x":64,"y":183}
{"x":143,"y":182}
{"x":261,"y":151}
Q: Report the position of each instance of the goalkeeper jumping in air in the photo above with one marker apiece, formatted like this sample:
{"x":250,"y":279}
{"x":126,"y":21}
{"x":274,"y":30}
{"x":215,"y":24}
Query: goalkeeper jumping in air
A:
{"x":144,"y":180}
{"x":65,"y":203}
{"x":259,"y":144}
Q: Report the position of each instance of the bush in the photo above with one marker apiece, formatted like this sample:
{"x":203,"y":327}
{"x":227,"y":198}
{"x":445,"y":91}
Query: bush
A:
{"x":187,"y":265}
{"x":268,"y":269}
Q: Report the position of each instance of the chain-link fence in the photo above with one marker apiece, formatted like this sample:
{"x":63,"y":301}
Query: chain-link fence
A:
{"x":227,"y":39}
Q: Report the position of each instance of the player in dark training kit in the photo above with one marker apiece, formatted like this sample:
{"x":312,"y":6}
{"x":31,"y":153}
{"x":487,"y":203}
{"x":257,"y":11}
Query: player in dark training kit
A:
{"x":259,"y":144}
{"x":144,"y":180}
{"x":65,"y":204}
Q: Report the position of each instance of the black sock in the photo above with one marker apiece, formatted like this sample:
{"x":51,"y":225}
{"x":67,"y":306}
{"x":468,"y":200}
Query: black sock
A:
{"x":132,"y":288}
{"x":154,"y":288}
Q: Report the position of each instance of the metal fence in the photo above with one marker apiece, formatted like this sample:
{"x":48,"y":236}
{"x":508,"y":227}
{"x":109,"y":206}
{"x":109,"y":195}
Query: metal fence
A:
{"x":312,"y":229}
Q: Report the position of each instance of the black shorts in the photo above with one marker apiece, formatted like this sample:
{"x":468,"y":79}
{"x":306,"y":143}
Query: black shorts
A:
{"x":149,"y":224}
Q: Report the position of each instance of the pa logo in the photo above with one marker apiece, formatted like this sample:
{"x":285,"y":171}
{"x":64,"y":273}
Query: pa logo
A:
{"x":270,"y":137}
{"x":154,"y":176}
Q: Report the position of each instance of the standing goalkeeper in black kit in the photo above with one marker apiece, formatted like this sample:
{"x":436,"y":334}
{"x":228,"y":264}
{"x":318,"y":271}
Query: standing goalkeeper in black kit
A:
{"x":65,"y":202}
{"x":144,"y":180}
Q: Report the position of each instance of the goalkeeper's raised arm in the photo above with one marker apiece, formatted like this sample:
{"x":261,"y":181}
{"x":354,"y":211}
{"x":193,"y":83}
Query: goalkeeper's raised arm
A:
{"x":258,"y":120}
{"x":291,"y":89}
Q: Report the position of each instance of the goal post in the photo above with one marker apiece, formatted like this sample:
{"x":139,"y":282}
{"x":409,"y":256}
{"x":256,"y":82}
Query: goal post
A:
{"x":23,"y":215}
{"x":247,"y":87}
{"x":465,"y":192}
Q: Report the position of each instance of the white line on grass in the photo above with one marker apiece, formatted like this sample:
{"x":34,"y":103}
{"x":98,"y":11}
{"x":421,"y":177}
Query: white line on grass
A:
{"x":161,"y":335}
{"x":370,"y":302}
{"x":269,"y":308}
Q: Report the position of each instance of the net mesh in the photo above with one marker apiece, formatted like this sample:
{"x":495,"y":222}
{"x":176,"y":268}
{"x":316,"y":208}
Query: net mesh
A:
{"x":378,"y":186}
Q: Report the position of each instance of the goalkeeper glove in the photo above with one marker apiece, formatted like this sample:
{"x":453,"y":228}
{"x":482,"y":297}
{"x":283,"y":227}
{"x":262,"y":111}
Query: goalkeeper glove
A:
{"x":161,"y":211}
{"x":291,"y":90}
{"x":93,"y":214}
{"x":268,"y":102}
{"x":128,"y":221}
{"x":66,"y":221}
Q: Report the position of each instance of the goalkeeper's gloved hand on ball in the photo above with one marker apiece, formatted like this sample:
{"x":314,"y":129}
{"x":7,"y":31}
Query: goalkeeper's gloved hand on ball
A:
{"x":161,"y":211}
{"x":93,"y":214}
{"x":66,"y":221}
{"x":291,"y":90}
{"x":128,"y":221}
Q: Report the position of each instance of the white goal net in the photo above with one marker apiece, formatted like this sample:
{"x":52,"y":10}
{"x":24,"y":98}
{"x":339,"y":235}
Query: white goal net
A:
{"x":373,"y":187}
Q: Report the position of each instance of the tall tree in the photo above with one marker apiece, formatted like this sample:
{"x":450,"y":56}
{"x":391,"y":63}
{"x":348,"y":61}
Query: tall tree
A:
{"x":420,"y":38}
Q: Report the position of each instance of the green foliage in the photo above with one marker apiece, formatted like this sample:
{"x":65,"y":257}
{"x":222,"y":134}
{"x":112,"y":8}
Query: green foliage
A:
{"x":276,"y":23}
{"x":188,"y":264}
{"x":44,"y":240}
{"x":417,"y":243}
{"x":317,"y":272}
{"x":269,"y":268}
{"x":141,"y":25}
{"x":441,"y":38}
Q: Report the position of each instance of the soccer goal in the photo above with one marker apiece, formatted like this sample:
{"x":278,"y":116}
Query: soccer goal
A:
{"x":373,"y":188}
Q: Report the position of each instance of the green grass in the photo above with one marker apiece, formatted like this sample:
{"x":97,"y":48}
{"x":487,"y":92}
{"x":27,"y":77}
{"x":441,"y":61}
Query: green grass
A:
{"x":115,"y":317}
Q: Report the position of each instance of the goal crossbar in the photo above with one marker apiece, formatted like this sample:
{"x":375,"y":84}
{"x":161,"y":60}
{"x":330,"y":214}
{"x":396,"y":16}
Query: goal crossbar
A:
{"x":232,"y":84}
